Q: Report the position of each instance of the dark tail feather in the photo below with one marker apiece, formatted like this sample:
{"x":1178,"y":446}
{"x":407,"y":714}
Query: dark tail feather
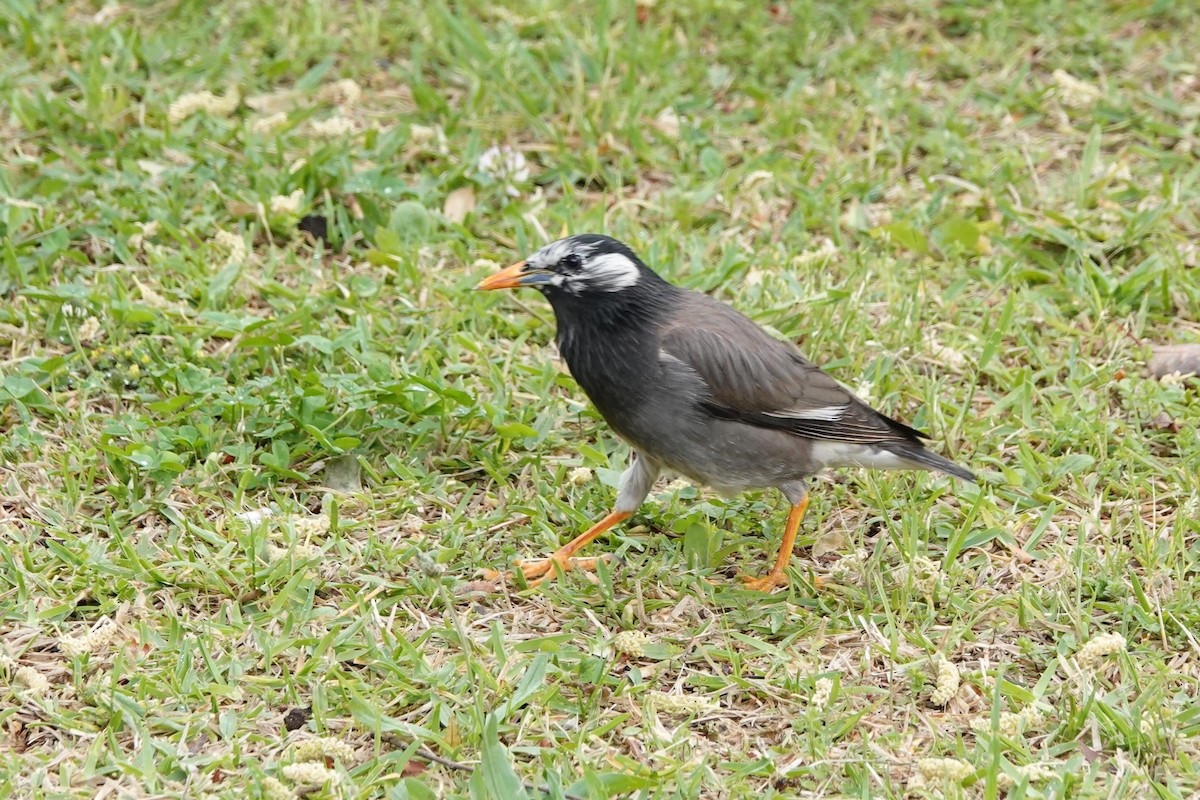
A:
{"x":914,"y":452}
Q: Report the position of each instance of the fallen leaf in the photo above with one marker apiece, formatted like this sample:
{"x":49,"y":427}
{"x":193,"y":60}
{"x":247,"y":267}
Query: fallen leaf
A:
{"x":1163,"y":422}
{"x":831,"y":542}
{"x":296,"y":718}
{"x":479,"y":586}
{"x":458,"y":204}
{"x":343,"y":474}
{"x":254,"y":517}
{"x":316,"y":225}
{"x":1167,"y":359}
{"x":154,"y":168}
{"x":237,"y":208}
{"x":273,"y":102}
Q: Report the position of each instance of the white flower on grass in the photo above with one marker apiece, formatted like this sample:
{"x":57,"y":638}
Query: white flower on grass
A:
{"x":1034,"y":773}
{"x":954,"y":359}
{"x":345,"y":92}
{"x":34,"y":681}
{"x":1073,"y":91}
{"x":946,"y":682}
{"x":668,"y":122}
{"x":937,"y":770}
{"x":310,"y":524}
{"x":630,"y":643}
{"x":138,"y":240}
{"x":682,"y":703}
{"x":925,"y":574}
{"x":334,"y":127}
{"x":287,"y":205}
{"x":865,"y":216}
{"x":428,"y":137}
{"x":865,"y":391}
{"x":1175,"y":378}
{"x":579,"y":476}
{"x":429,"y":566}
{"x":311,"y":775}
{"x":195,"y":102}
{"x":1038,"y":772}
{"x":7,"y":662}
{"x":94,"y":640}
{"x":233,"y":244}
{"x":505,"y":165}
{"x":1151,"y":722}
{"x":1116,"y":170}
{"x":1013,"y":723}
{"x":269,"y":124}
{"x":299,"y":550}
{"x":319,"y":747}
{"x":822,"y":692}
{"x":849,"y":568}
{"x":1106,"y":644}
{"x":274,"y":789}
{"x":1027,"y":719}
{"x":825,"y":251}
{"x":90,"y":330}
{"x":421,"y":134}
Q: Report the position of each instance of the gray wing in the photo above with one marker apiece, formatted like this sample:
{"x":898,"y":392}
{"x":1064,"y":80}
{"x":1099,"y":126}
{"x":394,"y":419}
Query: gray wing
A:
{"x":759,"y":380}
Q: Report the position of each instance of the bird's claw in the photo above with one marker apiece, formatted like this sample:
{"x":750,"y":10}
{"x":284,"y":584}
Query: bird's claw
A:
{"x":774,"y":580}
{"x":767,"y":583}
{"x":538,"y":571}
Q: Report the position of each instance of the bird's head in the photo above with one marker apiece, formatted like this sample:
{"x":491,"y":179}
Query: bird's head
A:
{"x":581,"y":265}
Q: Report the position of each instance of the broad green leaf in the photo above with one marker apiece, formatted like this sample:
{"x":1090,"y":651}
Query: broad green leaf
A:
{"x":906,"y":236}
{"x":515,"y":430}
{"x":495,"y":777}
{"x":410,"y":221}
{"x":18,"y":386}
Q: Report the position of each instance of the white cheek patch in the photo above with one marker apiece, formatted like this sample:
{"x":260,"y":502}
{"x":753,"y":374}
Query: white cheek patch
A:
{"x":610,"y":272}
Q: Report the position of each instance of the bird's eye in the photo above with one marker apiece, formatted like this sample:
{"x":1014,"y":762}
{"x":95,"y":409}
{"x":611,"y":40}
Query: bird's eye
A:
{"x":570,"y":262}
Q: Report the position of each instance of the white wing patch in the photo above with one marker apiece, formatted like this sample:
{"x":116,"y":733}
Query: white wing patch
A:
{"x":824,"y":413}
{"x":663,"y":355}
{"x":610,"y":272}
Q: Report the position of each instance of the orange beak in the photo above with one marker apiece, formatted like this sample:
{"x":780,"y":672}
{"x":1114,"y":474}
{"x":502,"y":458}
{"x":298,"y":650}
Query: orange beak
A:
{"x":507,"y":278}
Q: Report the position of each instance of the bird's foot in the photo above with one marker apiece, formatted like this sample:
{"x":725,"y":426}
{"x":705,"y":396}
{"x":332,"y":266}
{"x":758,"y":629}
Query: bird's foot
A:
{"x":538,"y":571}
{"x":767,"y":583}
{"x":773,"y":580}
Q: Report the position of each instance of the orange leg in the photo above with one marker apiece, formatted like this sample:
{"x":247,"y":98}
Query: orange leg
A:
{"x":776,"y":577}
{"x":544,"y":569}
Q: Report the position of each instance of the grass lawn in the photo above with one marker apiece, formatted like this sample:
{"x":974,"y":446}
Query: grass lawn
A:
{"x":247,"y":470}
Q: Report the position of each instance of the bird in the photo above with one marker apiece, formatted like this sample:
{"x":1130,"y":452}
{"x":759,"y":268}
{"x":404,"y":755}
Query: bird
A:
{"x":698,"y":389}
